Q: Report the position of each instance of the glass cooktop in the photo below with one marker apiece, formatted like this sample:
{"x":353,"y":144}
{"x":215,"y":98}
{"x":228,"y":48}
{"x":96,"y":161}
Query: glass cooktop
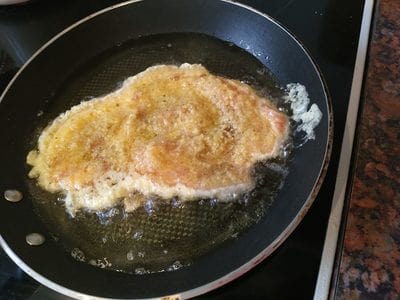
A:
{"x":329,"y":29}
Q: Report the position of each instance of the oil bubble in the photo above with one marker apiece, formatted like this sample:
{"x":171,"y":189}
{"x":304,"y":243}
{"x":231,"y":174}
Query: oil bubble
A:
{"x":149,"y":207}
{"x":244,"y":200}
{"x":105,"y":217}
{"x":213,"y":202}
{"x":176,"y":203}
{"x":137,"y":235}
{"x":140,"y":271}
{"x":101,"y":263}
{"x":175,"y":266}
{"x":78,"y":254}
{"x":130,"y":256}
{"x":261,"y":71}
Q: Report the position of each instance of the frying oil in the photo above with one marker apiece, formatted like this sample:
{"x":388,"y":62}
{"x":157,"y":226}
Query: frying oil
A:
{"x":162,"y":235}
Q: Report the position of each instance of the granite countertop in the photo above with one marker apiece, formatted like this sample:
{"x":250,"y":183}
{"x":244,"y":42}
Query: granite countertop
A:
{"x":369,"y":262}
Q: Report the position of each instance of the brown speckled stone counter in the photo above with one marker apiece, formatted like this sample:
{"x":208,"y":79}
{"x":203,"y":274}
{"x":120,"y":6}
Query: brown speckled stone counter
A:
{"x":369,"y":262}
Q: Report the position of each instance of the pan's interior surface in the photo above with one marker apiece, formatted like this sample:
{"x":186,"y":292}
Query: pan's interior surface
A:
{"x":48,"y":77}
{"x":164,"y":234}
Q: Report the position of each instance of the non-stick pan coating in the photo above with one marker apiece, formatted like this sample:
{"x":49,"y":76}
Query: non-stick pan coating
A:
{"x":34,"y":90}
{"x":162,"y":234}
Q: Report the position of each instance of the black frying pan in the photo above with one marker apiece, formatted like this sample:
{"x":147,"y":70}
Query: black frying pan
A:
{"x":70,"y":63}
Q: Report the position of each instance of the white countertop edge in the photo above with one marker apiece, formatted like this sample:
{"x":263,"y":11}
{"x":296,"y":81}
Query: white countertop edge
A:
{"x":322,"y":288}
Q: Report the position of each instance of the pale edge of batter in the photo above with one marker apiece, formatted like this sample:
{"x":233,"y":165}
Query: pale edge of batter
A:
{"x":83,"y":197}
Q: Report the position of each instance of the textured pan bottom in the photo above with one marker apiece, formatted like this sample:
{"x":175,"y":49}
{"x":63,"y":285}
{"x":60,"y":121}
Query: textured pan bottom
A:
{"x":160,"y":236}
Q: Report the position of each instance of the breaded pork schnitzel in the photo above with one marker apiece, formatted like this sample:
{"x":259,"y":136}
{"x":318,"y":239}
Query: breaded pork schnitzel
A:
{"x":168,"y":131}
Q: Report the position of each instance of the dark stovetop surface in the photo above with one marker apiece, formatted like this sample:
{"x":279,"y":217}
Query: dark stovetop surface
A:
{"x":329,"y":30}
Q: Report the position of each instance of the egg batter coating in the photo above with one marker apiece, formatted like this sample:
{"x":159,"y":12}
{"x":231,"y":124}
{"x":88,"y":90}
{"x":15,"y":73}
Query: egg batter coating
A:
{"x":168,"y":131}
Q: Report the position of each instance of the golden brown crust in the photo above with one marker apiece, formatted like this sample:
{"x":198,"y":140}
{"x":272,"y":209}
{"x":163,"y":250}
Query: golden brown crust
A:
{"x":170,"y":130}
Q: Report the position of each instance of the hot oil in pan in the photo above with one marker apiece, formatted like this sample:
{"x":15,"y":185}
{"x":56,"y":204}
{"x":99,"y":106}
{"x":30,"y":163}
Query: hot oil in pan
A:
{"x":162,"y":235}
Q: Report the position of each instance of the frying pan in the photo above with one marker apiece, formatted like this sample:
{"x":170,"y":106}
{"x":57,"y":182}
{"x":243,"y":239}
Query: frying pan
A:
{"x":33,"y":93}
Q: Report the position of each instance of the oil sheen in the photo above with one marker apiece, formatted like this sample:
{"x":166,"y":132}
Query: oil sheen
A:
{"x":170,"y":234}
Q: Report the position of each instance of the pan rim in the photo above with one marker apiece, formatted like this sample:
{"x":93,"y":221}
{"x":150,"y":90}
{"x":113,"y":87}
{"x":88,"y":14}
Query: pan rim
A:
{"x":262,"y":254}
